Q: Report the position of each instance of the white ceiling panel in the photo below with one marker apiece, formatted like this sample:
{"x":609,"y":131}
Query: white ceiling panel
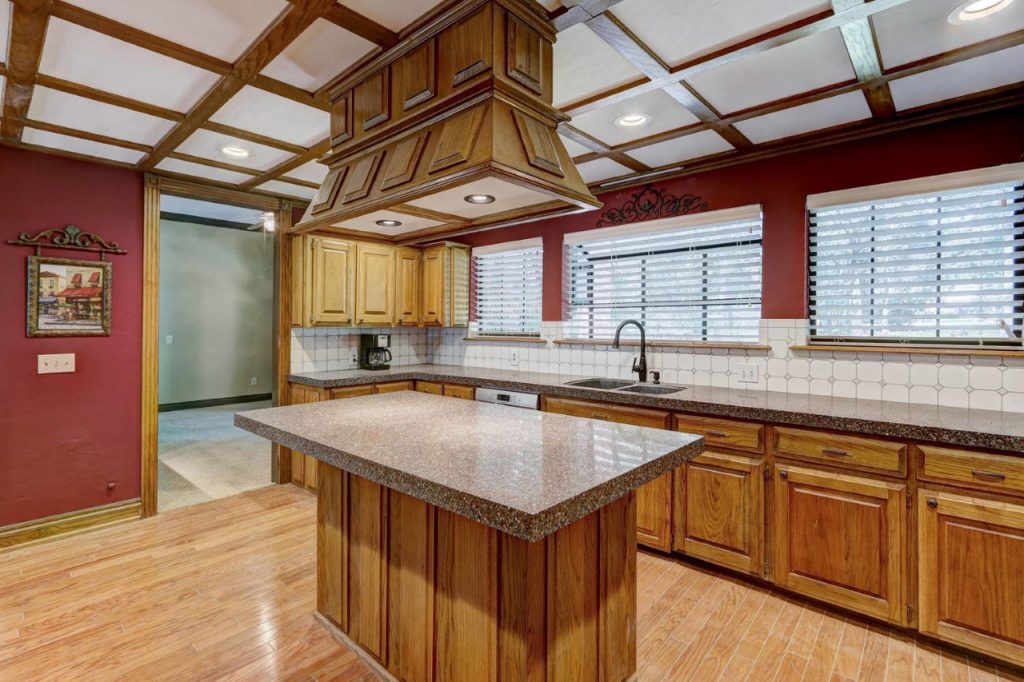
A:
{"x":274,"y":116}
{"x":77,"y":145}
{"x":601,"y":169}
{"x":574,"y":148}
{"x":507,"y":195}
{"x":310,"y":171}
{"x":368,"y":223}
{"x":5,"y":28}
{"x":919,"y":29}
{"x":665,"y":114}
{"x":219,"y":28}
{"x":395,"y":14}
{"x":82,"y":56}
{"x":818,"y":115}
{"x":209,"y":209}
{"x":681,"y":149}
{"x":585,"y":65}
{"x":207,"y":144}
{"x":974,"y":75}
{"x":287,"y":188}
{"x":680,"y":31}
{"x":322,"y":52}
{"x":71,"y":111}
{"x":200,"y":171}
{"x":801,"y":66}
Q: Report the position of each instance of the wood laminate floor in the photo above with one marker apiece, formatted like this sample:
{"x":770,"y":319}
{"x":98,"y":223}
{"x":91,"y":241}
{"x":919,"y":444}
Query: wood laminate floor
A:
{"x":225,"y":590}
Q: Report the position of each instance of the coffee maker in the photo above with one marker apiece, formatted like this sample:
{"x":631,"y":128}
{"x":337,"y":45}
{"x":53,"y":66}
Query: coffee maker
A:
{"x":374,"y":351}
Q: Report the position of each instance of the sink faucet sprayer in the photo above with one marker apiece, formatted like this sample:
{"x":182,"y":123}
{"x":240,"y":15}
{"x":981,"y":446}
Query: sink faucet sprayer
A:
{"x":639,"y":366}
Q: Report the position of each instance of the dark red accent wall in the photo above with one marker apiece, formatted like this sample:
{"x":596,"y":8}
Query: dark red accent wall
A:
{"x":781,"y":185}
{"x":64,"y":437}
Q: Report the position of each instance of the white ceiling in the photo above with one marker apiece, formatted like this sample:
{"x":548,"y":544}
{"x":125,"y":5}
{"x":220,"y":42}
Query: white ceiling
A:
{"x":262,"y":112}
{"x":318,"y":55}
{"x":310,"y":171}
{"x":79,"y":113}
{"x":508,"y":197}
{"x":586,"y":65}
{"x":825,"y":113}
{"x":601,"y":169}
{"x":368,"y":223}
{"x":208,"y":144}
{"x":202,"y":171}
{"x":1005,"y":67}
{"x":665,"y":114}
{"x":704,"y":143}
{"x":76,"y":145}
{"x":5,"y":28}
{"x":288,"y":189}
{"x":394,"y":14}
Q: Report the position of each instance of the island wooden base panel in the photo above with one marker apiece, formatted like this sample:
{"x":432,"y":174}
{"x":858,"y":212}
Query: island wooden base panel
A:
{"x":226,"y":591}
{"x":432,"y":595}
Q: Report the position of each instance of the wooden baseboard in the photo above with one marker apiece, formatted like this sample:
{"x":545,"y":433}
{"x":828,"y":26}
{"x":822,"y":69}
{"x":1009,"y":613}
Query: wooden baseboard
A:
{"x":70,"y":522}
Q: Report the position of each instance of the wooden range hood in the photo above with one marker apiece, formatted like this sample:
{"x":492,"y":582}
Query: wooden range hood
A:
{"x":460,"y":107}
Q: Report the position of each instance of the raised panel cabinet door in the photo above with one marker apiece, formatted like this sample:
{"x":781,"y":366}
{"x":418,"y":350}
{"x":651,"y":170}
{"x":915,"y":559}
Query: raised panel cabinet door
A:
{"x":458,"y":287}
{"x":407,"y":287}
{"x":375,"y":284}
{"x":432,"y":286}
{"x":971,"y":572}
{"x":304,"y":467}
{"x":654,"y":513}
{"x":719,"y":503}
{"x":842,"y":539}
{"x":332,"y":281}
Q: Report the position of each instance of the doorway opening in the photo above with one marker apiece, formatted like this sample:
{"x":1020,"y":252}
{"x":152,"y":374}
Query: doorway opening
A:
{"x":215,"y":348}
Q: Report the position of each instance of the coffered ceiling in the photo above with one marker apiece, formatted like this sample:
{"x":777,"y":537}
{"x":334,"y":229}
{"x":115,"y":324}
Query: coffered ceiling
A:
{"x":169,"y":86}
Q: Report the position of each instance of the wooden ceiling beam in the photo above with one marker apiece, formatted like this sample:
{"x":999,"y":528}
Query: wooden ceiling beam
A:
{"x":108,"y":98}
{"x":85,"y":135}
{"x":600,"y":149}
{"x":311,"y":154}
{"x":365,"y":28}
{"x":862,"y":48}
{"x":580,"y":12}
{"x":29,"y":19}
{"x":285,"y":29}
{"x":223,"y":129}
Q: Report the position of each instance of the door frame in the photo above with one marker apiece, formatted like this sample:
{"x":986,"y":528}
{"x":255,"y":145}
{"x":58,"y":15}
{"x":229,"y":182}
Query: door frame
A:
{"x":154,"y":186}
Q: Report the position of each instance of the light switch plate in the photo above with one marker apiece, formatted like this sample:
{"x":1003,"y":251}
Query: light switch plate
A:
{"x":57,"y":363}
{"x":748,"y":373}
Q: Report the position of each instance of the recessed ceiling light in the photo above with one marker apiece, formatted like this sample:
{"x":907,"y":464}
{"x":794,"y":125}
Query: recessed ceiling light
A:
{"x":389,"y":223}
{"x":976,"y":9}
{"x":632,"y":120}
{"x":234,"y":152}
{"x":479,"y":199}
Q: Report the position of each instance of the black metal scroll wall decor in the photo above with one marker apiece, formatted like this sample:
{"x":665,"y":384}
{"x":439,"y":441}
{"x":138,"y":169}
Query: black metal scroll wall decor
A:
{"x":649,"y":203}
{"x":68,"y":297}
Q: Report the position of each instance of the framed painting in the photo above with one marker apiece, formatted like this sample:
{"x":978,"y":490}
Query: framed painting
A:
{"x":68,"y":297}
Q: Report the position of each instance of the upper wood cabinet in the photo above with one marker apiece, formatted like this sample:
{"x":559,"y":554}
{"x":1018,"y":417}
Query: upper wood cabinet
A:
{"x":718,"y":513}
{"x":328,"y":286}
{"x":445,"y":286}
{"x":407,"y":287}
{"x":971,"y":572}
{"x":842,"y":539}
{"x":375,"y":284}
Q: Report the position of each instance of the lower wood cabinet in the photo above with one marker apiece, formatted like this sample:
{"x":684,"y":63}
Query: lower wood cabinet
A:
{"x":718,"y":513}
{"x":971,"y":572}
{"x":303,"y":467}
{"x":456,"y":391}
{"x":842,"y":539}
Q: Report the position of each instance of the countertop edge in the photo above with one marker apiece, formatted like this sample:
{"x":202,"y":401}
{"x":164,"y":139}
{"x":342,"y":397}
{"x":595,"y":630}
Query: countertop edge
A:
{"x":515,"y":522}
{"x":888,"y":429}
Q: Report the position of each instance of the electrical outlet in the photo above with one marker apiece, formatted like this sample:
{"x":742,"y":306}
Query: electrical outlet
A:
{"x":748,"y":374}
{"x":513,"y":358}
{"x":354,"y":361}
{"x":170,"y":339}
{"x":254,"y":380}
{"x":56,"y":363}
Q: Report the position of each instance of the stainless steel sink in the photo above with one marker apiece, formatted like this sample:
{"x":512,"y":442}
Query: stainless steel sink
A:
{"x":599,"y":383}
{"x":652,"y":390}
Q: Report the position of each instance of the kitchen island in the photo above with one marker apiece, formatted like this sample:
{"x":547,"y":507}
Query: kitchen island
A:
{"x":463,"y":541}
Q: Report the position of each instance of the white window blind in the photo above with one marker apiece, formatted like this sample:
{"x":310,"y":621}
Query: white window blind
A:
{"x":507,"y":285}
{"x":695,"y":278}
{"x":938,"y":267}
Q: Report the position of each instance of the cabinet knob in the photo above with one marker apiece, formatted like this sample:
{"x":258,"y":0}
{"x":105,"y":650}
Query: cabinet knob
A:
{"x":783,"y":474}
{"x":932,"y":502}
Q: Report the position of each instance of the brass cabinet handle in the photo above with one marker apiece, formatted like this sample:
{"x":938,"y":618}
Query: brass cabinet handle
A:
{"x":717,"y":434}
{"x":835,"y":452}
{"x":783,"y":474}
{"x":989,"y":475}
{"x":599,"y":416}
{"x":932,"y":502}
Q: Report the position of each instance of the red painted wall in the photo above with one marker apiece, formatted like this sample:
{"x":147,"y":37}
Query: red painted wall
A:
{"x":781,"y":185}
{"x":64,"y":437}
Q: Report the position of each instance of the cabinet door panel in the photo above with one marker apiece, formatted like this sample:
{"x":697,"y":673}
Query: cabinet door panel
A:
{"x":332,"y":281}
{"x":720,"y":517}
{"x":375,"y":287}
{"x":432,"y":286}
{"x":407,"y":287}
{"x":842,"y":539}
{"x":971,"y":572}
{"x":654,"y":513}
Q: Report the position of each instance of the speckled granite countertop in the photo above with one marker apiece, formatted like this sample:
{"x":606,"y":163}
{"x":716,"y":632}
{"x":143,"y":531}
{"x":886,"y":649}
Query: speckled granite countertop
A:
{"x":946,"y":425}
{"x":524,"y":472}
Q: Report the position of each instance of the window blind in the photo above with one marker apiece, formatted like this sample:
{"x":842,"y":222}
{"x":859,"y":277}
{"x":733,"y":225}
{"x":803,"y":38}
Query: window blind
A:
{"x":940,"y":267}
{"x":507,"y":288}
{"x":697,"y":278}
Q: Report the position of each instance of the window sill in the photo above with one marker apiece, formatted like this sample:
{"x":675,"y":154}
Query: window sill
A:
{"x":665,"y":344}
{"x":506,"y":339}
{"x":908,"y":350}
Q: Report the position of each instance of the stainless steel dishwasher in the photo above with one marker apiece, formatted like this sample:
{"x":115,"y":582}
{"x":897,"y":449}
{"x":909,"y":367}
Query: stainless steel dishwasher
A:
{"x":528,"y":401}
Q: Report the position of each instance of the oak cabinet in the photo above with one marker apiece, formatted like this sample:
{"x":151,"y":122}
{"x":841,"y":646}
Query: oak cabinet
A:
{"x":430,"y":387}
{"x":971,"y":572}
{"x":330,"y":284}
{"x":842,"y":539}
{"x":375,"y":284}
{"x":457,"y":391}
{"x":842,"y":450}
{"x":654,"y":499}
{"x":444,"y":285}
{"x":719,"y":510}
{"x":304,"y":468}
{"x":407,"y":287}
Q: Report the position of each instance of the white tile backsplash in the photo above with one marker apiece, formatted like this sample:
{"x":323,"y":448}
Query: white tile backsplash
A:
{"x":325,"y":349}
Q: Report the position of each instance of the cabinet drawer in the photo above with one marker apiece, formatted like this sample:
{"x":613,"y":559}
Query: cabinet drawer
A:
{"x":393,"y":386}
{"x":350,"y":392}
{"x":429,"y":387}
{"x":454,"y":391}
{"x":854,"y":452}
{"x":724,"y":432}
{"x":637,"y":416}
{"x":974,"y":469}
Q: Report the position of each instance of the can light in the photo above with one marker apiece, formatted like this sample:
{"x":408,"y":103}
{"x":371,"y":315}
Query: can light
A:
{"x":479,"y":199}
{"x":972,"y":10}
{"x":234,"y":152}
{"x":632,"y":120}
{"x":389,"y":223}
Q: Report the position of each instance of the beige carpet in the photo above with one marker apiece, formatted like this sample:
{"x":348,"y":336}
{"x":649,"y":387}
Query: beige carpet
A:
{"x":203,"y":456}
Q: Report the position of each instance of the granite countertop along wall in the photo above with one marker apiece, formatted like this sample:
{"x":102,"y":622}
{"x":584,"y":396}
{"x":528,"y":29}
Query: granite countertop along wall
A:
{"x":523,"y":472}
{"x":987,"y":429}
